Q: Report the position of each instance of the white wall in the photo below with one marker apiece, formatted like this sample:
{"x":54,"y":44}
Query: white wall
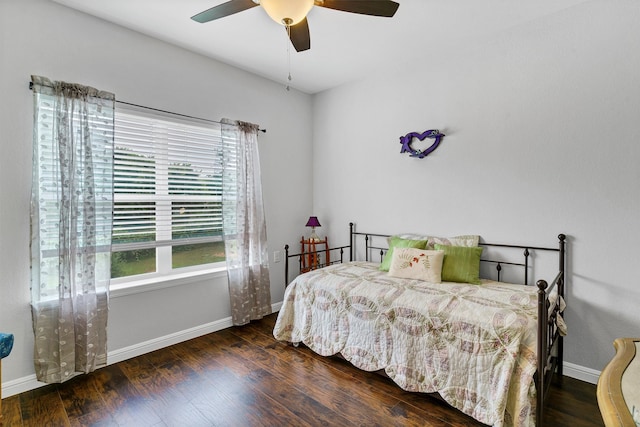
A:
{"x":542,"y":137}
{"x":41,"y":37}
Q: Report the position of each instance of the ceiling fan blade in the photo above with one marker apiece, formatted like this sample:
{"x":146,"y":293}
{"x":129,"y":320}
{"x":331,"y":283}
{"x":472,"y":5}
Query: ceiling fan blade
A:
{"x":224,"y":9}
{"x":386,"y":8}
{"x":299,"y":35}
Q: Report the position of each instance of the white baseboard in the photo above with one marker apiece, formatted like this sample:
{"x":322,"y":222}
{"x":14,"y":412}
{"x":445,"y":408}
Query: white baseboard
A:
{"x":276,"y":307}
{"x":580,"y":373}
{"x":29,"y":382}
{"x":167,"y":340}
{"x":20,"y":385}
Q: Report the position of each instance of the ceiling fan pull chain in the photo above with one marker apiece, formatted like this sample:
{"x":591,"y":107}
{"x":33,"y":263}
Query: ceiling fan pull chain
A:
{"x":288,"y":55}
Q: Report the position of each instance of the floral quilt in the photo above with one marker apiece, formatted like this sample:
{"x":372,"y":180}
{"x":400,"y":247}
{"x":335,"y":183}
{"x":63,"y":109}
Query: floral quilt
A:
{"x":473,"y":344}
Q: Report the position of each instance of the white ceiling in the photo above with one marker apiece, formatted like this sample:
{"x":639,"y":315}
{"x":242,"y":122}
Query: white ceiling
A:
{"x":344,"y":46}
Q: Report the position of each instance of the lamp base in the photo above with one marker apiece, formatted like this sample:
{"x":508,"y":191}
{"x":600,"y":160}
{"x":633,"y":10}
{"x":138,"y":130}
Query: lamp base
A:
{"x":314,"y":237}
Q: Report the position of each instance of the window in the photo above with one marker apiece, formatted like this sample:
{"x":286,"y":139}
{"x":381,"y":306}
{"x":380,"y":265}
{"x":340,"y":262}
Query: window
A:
{"x":167,"y":193}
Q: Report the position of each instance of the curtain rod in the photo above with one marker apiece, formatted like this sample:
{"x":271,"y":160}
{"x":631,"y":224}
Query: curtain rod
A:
{"x":162,"y":111}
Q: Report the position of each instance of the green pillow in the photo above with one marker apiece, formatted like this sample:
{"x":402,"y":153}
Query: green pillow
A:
{"x":461,"y":264}
{"x":397,"y":242}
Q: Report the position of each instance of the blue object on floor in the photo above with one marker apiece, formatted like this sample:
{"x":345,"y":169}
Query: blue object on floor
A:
{"x":6,"y":344}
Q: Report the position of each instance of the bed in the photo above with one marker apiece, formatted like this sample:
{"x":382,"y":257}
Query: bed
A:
{"x":487,"y":347}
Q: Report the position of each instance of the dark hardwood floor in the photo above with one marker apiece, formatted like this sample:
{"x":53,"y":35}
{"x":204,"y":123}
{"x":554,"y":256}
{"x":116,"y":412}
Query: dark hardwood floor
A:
{"x":243,"y":377}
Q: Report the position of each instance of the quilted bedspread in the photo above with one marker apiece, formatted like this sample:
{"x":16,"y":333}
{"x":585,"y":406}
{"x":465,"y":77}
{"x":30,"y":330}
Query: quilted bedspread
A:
{"x":473,"y":344}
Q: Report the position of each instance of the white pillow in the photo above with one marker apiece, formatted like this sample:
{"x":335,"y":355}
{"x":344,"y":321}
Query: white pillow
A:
{"x":420,"y":264}
{"x":465,"y":240}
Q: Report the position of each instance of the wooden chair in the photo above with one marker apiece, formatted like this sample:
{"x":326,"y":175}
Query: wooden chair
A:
{"x":618,"y":388}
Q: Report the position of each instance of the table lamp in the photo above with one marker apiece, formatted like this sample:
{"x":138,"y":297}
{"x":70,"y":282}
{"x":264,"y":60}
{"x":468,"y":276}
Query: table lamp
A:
{"x":313,"y":223}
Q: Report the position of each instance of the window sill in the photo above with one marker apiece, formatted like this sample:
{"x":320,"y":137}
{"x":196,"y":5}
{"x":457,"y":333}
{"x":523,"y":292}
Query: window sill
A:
{"x":162,"y":282}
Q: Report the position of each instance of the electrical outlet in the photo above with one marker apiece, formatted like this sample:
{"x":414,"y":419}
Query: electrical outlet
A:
{"x":277,"y":256}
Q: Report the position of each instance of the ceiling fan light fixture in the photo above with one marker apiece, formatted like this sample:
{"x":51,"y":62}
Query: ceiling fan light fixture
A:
{"x":287,"y":12}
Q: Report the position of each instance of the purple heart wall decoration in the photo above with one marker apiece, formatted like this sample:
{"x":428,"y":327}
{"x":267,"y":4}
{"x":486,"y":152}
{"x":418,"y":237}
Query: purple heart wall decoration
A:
{"x":420,"y":154}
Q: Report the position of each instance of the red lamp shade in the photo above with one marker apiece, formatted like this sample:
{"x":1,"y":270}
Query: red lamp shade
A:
{"x":313,"y":222}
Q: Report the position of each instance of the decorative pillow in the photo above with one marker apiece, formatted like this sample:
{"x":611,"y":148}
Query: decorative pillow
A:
{"x":397,"y":242}
{"x":420,"y":264}
{"x":461,"y":264}
{"x":466,"y":241}
{"x":469,"y":240}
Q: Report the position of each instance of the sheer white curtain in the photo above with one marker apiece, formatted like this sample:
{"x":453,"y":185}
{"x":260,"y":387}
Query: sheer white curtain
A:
{"x":71,"y":218}
{"x":245,"y":229}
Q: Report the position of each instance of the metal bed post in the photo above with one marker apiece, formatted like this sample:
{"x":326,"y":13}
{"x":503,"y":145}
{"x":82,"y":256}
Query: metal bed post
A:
{"x":351,"y":242}
{"x":526,"y":266}
{"x":562,"y":243}
{"x":286,"y":265}
{"x":542,"y":351}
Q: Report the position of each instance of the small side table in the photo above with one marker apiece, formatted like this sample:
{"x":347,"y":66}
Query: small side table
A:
{"x":6,"y":344}
{"x":618,"y":389}
{"x":310,"y":250}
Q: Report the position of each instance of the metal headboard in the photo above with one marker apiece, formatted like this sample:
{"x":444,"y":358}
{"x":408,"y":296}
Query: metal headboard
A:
{"x":373,"y":249}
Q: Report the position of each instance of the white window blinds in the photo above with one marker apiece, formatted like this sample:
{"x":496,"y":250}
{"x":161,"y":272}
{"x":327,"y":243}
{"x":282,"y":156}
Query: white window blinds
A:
{"x":167,"y":180}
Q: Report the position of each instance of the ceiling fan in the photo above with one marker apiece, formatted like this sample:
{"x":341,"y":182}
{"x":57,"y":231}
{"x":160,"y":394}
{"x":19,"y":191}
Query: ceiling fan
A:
{"x":292,"y":14}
